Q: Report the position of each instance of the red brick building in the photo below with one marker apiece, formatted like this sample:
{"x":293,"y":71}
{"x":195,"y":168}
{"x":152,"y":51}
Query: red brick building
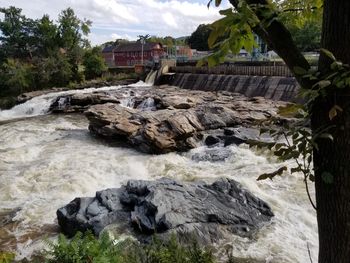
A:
{"x":129,"y":54}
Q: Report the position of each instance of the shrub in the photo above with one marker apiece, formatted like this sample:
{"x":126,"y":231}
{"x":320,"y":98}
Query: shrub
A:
{"x":87,"y":248}
{"x":94,"y":63}
{"x":16,"y":77}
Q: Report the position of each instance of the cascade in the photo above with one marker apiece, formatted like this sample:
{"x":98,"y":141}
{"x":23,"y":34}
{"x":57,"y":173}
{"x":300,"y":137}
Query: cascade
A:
{"x":147,"y":105}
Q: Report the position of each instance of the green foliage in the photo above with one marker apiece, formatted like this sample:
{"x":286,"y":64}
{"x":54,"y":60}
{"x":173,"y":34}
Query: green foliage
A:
{"x":53,"y":71}
{"x":6,"y":257}
{"x":37,"y":54}
{"x":308,"y":36}
{"x":336,"y":78}
{"x":235,"y":30}
{"x":17,"y":77}
{"x":86,"y":248}
{"x":16,"y":35}
{"x":199,"y":38}
{"x":94,"y":63}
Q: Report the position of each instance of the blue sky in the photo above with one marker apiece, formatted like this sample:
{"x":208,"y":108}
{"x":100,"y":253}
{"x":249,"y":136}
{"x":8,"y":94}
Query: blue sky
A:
{"x":127,"y":18}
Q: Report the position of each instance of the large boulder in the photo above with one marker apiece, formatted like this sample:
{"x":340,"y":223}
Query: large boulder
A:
{"x":208,"y":212}
{"x":178,"y":119}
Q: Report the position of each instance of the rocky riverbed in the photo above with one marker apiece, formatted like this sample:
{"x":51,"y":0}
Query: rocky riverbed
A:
{"x":166,"y":119}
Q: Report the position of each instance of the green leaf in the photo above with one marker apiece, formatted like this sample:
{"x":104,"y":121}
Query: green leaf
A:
{"x":327,"y":177}
{"x":300,"y":71}
{"x":295,"y":170}
{"x":326,"y":136}
{"x":312,"y":178}
{"x":273,"y":174}
{"x":323,"y":84}
{"x":334,"y":112}
{"x":328,"y":54}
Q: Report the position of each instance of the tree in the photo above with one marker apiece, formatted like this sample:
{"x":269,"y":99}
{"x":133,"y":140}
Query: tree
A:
{"x":46,"y":37}
{"x":17,"y":76}
{"x":94,"y":63}
{"x":199,"y":38}
{"x":71,"y":31}
{"x":328,"y":109}
{"x":16,"y":35}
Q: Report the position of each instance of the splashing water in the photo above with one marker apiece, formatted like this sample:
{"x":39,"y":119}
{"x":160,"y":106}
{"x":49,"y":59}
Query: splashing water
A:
{"x":40,"y":105}
{"x":147,"y":105}
{"x":47,"y":161}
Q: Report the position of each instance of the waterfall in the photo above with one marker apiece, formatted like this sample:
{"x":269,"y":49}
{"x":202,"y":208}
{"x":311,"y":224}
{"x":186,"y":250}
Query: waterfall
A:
{"x":151,"y":77}
{"x":275,"y":88}
{"x":40,"y":105}
{"x":147,"y":105}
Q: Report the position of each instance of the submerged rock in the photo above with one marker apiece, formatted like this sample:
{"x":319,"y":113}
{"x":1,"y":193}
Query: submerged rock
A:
{"x":207,"y":212}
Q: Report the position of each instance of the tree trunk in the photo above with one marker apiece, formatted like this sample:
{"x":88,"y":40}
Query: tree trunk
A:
{"x":332,"y":159}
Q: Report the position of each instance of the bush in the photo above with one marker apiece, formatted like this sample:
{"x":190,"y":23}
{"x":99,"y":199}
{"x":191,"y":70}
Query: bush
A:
{"x":16,"y":77}
{"x":94,"y":64}
{"x":86,"y":248}
{"x":53,"y":71}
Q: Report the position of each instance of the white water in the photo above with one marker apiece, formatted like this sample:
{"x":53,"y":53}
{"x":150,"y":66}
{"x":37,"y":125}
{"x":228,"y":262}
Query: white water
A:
{"x":147,"y":105}
{"x":40,"y":105}
{"x":47,"y":161}
{"x":151,"y":77}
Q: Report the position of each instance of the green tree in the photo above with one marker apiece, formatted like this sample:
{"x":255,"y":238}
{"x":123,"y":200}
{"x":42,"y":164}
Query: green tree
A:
{"x":199,"y":38}
{"x":71,"y":32}
{"x":94,"y":63}
{"x":17,"y":77}
{"x":17,"y":34}
{"x":46,"y":36}
{"x":52,"y":71}
{"x":307,"y":37}
{"x":329,"y":89}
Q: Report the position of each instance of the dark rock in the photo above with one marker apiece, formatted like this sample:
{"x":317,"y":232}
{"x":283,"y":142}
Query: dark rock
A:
{"x":208,"y":212}
{"x":211,"y":140}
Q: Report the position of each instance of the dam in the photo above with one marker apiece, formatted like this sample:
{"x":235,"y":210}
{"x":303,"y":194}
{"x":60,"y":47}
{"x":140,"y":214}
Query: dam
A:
{"x":270,"y":82}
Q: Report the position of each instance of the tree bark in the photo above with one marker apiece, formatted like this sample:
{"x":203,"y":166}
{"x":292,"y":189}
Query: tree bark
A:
{"x":333,"y":158}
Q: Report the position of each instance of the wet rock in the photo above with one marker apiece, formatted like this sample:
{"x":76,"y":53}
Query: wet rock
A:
{"x":211,"y":140}
{"x":178,"y":118}
{"x":208,"y":212}
{"x":217,"y":154}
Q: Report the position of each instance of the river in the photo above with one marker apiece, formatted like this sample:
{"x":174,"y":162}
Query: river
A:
{"x":48,"y":160}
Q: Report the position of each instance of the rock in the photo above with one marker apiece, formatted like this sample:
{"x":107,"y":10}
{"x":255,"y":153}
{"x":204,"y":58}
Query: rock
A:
{"x":172,"y":126}
{"x":239,"y":135}
{"x":208,"y":212}
{"x":216,"y":154}
{"x":211,"y":140}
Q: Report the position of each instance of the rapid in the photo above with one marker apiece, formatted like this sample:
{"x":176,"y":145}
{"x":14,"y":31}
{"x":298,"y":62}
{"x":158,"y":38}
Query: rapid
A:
{"x":48,"y":160}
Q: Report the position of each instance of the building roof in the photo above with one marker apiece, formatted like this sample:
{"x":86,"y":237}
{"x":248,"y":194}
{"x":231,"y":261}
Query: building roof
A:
{"x":137,"y":46}
{"x":108,"y":49}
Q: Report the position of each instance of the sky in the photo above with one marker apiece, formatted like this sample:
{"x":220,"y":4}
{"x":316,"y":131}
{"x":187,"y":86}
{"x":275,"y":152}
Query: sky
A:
{"x":114,"y":19}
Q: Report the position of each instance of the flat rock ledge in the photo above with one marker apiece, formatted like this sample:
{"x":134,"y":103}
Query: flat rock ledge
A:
{"x":207,"y":212}
{"x":177,"y":119}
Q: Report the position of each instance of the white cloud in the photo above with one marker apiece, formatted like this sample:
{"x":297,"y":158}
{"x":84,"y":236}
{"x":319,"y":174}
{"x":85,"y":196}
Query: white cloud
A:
{"x":127,"y":17}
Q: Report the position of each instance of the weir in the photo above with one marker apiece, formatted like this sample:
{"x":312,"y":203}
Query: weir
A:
{"x":270,"y":87}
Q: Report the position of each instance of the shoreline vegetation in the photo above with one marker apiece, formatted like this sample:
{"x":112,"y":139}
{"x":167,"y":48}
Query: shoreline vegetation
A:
{"x":86,"y":248}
